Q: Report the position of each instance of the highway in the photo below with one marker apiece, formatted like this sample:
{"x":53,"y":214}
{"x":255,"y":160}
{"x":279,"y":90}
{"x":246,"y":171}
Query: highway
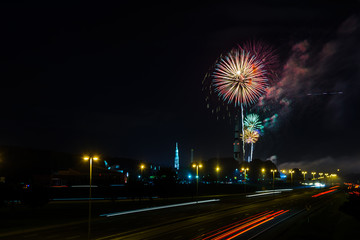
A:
{"x":226,"y":217}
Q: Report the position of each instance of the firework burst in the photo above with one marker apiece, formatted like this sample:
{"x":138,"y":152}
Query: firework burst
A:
{"x":252,"y":122}
{"x":250,"y":136}
{"x":239,"y":78}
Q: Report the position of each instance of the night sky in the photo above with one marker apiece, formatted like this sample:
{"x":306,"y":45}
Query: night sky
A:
{"x":126,"y":80}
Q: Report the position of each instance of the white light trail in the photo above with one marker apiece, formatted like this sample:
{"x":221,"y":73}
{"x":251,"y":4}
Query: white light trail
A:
{"x":157,"y":208}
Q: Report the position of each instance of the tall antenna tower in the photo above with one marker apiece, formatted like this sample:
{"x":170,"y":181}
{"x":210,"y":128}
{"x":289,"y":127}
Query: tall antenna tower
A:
{"x":177,"y":157}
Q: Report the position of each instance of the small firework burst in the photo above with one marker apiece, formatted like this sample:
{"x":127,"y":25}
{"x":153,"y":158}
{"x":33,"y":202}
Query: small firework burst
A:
{"x":252,"y":122}
{"x":251,"y":136}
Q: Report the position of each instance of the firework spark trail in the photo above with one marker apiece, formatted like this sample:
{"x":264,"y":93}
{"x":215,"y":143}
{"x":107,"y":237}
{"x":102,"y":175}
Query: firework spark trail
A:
{"x":242,"y":126}
{"x":252,"y":151}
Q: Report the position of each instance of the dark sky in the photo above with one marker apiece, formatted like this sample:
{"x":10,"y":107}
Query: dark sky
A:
{"x":125,"y":80}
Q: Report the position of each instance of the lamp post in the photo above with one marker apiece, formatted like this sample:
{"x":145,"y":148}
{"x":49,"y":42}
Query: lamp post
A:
{"x":273,"y":172}
{"x":332,"y":176}
{"x":326,"y":176}
{"x":90,"y":159}
{"x":142,"y":167}
{"x":304,"y":172}
{"x":244,"y":170}
{"x":321,"y":176}
{"x":263,"y":173}
{"x":313,"y":173}
{"x":217,"y":169}
{"x":197,"y":166}
{"x":291,"y":175}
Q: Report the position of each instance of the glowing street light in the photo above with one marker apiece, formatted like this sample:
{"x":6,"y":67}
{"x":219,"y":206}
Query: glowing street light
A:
{"x":291,"y":175}
{"x":91,"y":158}
{"x":197,"y":166}
{"x":142,"y":167}
{"x":313,"y":173}
{"x":217,"y":169}
{"x":304,"y":172}
{"x":263,"y":172}
{"x":326,"y":175}
{"x":273,"y":172}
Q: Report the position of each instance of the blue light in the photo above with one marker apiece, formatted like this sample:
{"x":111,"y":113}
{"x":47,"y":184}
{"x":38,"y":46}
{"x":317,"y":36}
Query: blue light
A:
{"x":189,"y":176}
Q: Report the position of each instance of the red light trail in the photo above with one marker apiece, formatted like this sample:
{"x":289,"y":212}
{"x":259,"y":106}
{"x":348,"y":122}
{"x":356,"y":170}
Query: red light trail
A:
{"x":323,"y":193}
{"x":237,"y":228}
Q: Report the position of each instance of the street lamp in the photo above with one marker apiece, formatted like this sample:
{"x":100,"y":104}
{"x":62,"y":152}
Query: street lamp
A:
{"x":90,"y":159}
{"x":142,"y":167}
{"x":263,"y":173}
{"x":273,"y":172}
{"x":244,"y":170}
{"x":217,"y":169}
{"x":291,"y":173}
{"x":332,"y":176}
{"x":304,"y":172}
{"x":321,"y":176}
{"x":197,"y":166}
{"x":313,"y":173}
{"x":325,"y":177}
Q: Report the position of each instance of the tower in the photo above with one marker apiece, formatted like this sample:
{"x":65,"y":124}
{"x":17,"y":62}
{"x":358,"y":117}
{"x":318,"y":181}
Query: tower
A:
{"x":237,"y":148}
{"x":176,"y":157}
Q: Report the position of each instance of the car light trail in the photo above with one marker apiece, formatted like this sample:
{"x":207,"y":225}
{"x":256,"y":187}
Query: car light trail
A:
{"x":268,"y":192}
{"x":235,"y":229}
{"x":323,"y":193}
{"x":262,"y":194}
{"x":156,"y":208}
{"x":232,"y":225}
